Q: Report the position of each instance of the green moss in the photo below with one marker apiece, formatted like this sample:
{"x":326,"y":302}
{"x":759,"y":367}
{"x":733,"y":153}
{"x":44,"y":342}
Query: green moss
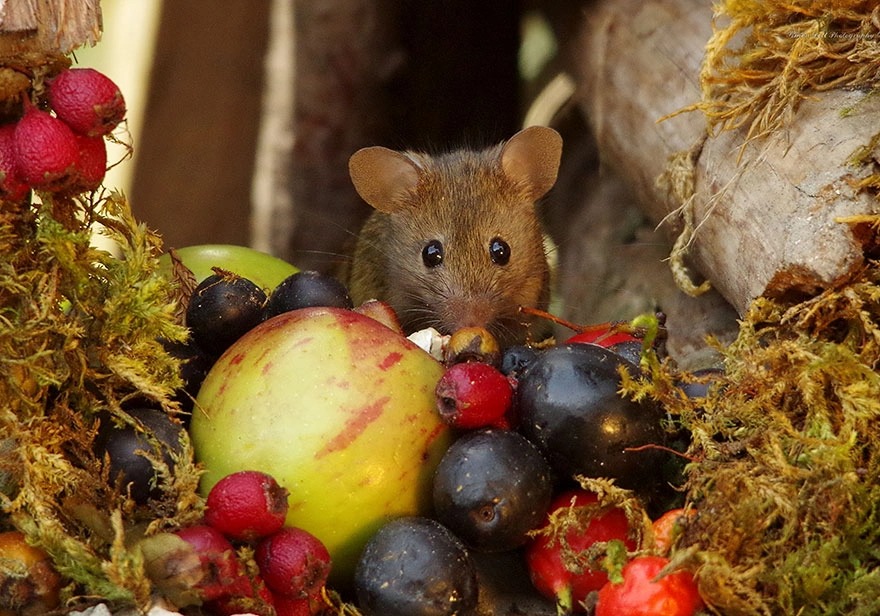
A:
{"x":785,"y":457}
{"x":80,"y":333}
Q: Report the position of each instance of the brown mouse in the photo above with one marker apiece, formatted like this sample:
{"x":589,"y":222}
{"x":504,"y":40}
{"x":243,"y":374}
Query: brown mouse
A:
{"x":455,"y":240}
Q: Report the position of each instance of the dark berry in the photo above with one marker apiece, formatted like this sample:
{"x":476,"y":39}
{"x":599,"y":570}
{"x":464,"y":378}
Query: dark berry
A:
{"x":571,"y":408}
{"x":223,"y":308}
{"x":491,"y":488}
{"x":515,"y":358}
{"x":414,"y":566}
{"x":127,"y":448}
{"x":307,"y":289}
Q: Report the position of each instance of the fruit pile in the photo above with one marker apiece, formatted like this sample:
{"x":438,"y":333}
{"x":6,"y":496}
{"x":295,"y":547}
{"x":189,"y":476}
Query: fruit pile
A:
{"x":527,"y":430}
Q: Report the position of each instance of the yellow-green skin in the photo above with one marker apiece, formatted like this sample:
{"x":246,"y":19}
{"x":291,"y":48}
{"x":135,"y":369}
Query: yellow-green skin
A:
{"x":262,"y":269}
{"x":340,"y":410}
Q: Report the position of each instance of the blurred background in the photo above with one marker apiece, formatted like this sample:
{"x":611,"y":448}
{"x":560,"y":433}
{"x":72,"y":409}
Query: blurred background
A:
{"x":243,"y":118}
{"x":243,"y":115}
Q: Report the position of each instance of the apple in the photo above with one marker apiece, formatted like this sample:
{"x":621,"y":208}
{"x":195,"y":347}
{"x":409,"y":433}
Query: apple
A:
{"x":340,"y":410}
{"x":261,"y":268}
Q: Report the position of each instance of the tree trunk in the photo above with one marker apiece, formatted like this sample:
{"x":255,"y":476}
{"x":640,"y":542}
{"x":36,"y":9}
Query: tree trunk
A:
{"x":764,"y":216}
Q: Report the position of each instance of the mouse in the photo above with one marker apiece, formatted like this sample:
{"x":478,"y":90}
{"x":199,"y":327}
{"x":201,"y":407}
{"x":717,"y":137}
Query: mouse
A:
{"x":455,"y":239}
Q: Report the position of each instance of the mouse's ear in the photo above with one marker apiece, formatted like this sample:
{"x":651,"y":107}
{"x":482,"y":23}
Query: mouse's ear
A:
{"x":382,"y":176}
{"x":532,"y":156}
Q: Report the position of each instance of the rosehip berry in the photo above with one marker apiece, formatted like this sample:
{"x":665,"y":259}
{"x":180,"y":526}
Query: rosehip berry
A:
{"x":550,"y":571}
{"x":87,"y":100}
{"x":296,"y":606}
{"x":12,"y":187}
{"x":251,"y":596}
{"x":46,"y":150}
{"x":473,"y":395}
{"x":246,"y":505}
{"x":293,"y":562}
{"x":643,"y":593}
{"x":92,"y":163}
{"x":669,"y":526}
{"x":222,"y":573}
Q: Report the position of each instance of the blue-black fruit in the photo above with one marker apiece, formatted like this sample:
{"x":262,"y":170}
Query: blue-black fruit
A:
{"x":515,"y":358}
{"x":571,"y":409}
{"x":125,"y":447}
{"x":307,"y":289}
{"x":491,"y":488}
{"x":222,"y":308}
{"x":414,"y":566}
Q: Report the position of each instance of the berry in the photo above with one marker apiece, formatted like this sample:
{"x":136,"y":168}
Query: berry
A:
{"x":223,"y":307}
{"x":293,"y":562}
{"x":87,"y":100}
{"x":92,"y":164}
{"x":571,"y":408}
{"x":307,"y":289}
{"x":473,"y":395}
{"x":246,"y":505}
{"x":382,"y":312}
{"x":222,"y":575}
{"x":127,"y":449}
{"x":579,"y":525}
{"x":250,"y":596}
{"x":491,"y":488}
{"x":643,"y":593}
{"x":414,"y":566}
{"x":12,"y":187}
{"x":29,"y":582}
{"x":46,"y":150}
{"x":669,"y":526}
{"x":515,"y":359}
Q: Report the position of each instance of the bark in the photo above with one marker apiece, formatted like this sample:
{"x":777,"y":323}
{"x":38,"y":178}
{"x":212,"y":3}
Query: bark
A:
{"x":194,"y":159}
{"x":49,"y":26}
{"x":346,"y":52}
{"x":765,"y":216}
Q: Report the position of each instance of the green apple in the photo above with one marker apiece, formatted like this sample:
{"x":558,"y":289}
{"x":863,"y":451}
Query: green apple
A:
{"x":340,"y":410}
{"x":261,"y":268}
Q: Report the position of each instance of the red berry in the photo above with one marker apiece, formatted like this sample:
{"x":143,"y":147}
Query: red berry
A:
{"x":222,"y":573}
{"x":12,"y":187}
{"x":87,"y":100}
{"x":246,"y":505}
{"x":293,"y":562}
{"x":46,"y":150}
{"x":296,"y":606}
{"x":473,"y":395}
{"x":544,"y":555}
{"x":642,"y":593}
{"x":92,"y":163}
{"x":669,"y":526}
{"x":251,"y":596}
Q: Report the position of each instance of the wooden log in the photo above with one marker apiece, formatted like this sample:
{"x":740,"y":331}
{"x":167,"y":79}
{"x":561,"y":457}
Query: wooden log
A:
{"x":765,"y":216}
{"x":49,"y":26}
{"x":194,"y":159}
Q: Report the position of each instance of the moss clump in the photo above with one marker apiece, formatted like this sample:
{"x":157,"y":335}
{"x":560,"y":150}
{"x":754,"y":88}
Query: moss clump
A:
{"x":766,"y":56}
{"x":81,"y":335}
{"x":785,"y":458}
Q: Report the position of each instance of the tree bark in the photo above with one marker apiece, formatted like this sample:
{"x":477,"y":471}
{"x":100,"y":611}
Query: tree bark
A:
{"x":765,"y":216}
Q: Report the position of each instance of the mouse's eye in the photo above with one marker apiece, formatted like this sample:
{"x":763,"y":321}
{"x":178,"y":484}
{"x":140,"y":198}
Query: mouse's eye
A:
{"x":432,"y":253}
{"x":499,"y":251}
